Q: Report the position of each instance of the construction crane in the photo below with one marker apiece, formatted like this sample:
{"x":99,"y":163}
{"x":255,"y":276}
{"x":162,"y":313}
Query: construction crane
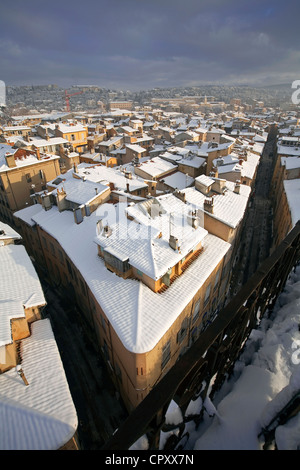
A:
{"x":67,"y":96}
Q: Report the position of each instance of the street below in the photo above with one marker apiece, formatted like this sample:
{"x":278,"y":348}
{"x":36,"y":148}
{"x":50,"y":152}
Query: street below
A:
{"x":257,"y":232}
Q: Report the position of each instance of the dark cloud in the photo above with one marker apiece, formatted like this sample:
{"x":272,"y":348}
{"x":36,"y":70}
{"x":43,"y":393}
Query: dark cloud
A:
{"x":141,"y":44}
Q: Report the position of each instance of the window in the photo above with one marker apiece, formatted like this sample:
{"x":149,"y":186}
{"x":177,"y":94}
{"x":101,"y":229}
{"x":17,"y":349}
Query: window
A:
{"x":52,"y":248}
{"x":166,"y":354}
{"x":121,"y":265}
{"x":69,"y":268}
{"x":196,"y":310}
{"x":28,"y":178}
{"x":217,"y":280}
{"x":103,"y":323}
{"x":207,"y":294}
{"x":183,"y":331}
{"x":118,"y":372}
{"x":44,"y":242}
{"x":61,"y":258}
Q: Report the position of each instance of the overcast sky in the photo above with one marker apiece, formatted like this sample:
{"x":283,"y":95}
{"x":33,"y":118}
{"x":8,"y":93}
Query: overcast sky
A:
{"x":142,"y":44}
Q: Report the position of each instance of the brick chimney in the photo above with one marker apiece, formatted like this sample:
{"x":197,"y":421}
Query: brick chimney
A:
{"x":237,"y":187}
{"x":209,"y":205}
{"x":38,"y":153}
{"x":61,"y":202}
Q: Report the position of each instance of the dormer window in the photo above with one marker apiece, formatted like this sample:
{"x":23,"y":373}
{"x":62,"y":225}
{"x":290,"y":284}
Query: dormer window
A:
{"x":116,"y":261}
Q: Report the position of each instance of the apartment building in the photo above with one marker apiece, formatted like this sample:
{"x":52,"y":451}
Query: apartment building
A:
{"x":128,"y":267}
{"x":123,"y":183}
{"x":37,"y":410}
{"x":22,"y":173}
{"x":223,"y":204}
{"x":116,"y":105}
{"x":10,"y":132}
{"x":241,"y":167}
{"x":286,"y":187}
{"x":71,"y":131}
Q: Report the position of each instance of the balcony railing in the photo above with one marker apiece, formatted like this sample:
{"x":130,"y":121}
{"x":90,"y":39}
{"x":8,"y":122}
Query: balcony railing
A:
{"x":213,"y":354}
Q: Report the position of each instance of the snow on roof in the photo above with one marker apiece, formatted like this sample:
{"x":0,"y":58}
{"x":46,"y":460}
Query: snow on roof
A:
{"x":4,"y":149}
{"x":111,"y":141}
{"x":205,"y":180}
{"x":136,"y":323}
{"x":135,"y":148}
{"x":156,"y":166}
{"x":16,"y":128}
{"x":79,"y":191}
{"x":7,"y":232}
{"x":40,"y":416}
{"x":292,"y":190}
{"x":178,"y":180}
{"x":40,"y":142}
{"x":291,"y":163}
{"x":288,"y":150}
{"x":249,"y":166}
{"x":68,"y":128}
{"x":170,"y":156}
{"x":20,"y":287}
{"x":147,"y":244}
{"x":20,"y":162}
{"x":101,"y":173}
{"x":228,"y":208}
{"x":193,"y":161}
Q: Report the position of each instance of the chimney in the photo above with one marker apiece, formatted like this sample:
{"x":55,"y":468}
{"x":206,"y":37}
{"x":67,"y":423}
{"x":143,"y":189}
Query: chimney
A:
{"x":38,"y":153}
{"x":209,"y":205}
{"x":193,"y":219}
{"x":61,"y":200}
{"x":180,"y":195}
{"x":173,"y":242}
{"x":10,"y":160}
{"x":219,"y":185}
{"x":237,"y":187}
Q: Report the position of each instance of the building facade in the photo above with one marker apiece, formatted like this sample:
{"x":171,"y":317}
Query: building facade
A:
{"x":22,"y":173}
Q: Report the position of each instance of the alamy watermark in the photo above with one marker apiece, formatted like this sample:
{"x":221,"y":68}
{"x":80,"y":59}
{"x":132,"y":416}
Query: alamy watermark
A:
{"x":2,"y":93}
{"x":296,"y":94}
{"x":296,"y":353}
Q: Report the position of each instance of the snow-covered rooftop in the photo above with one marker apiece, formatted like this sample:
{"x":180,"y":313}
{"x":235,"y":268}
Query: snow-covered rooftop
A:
{"x":178,"y":180}
{"x":156,"y":167}
{"x":292,"y":190}
{"x":102,"y":174}
{"x":40,"y":416}
{"x":20,"y":288}
{"x":228,"y":207}
{"x":20,"y":162}
{"x":7,"y":232}
{"x":145,"y":316}
{"x":78,"y":190}
{"x":146,"y":243}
